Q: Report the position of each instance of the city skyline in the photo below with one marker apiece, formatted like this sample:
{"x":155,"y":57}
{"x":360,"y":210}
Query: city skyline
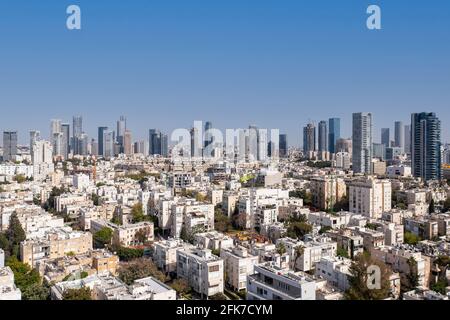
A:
{"x":234,"y":64}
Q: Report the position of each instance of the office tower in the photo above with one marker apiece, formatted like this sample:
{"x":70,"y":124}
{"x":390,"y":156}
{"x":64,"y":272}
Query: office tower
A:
{"x":154,"y":142}
{"x":426,"y":146}
{"x":251,"y":144}
{"x":83,"y":144}
{"x":42,"y":152}
{"x":208,"y":136}
{"x":379,"y":151}
{"x":34,"y":136}
{"x":94,"y":147}
{"x":407,"y":139}
{"x":196,"y":150}
{"x":55,"y":127}
{"x":57,"y":144}
{"x":77,"y":126}
{"x":101,"y":132}
{"x":344,"y":145}
{"x":141,"y":147}
{"x":262,"y":145}
{"x":392,"y":153}
{"x":121,"y":128}
{"x":9,"y":145}
{"x":65,"y":147}
{"x":164,"y":145}
{"x":283,"y":146}
{"x":385,"y":137}
{"x":334,"y":133}
{"x":77,"y":129}
{"x":127,"y":143}
{"x":309,"y":138}
{"x":362,"y":142}
{"x":323,"y":136}
{"x":108,"y":144}
{"x":399,"y":135}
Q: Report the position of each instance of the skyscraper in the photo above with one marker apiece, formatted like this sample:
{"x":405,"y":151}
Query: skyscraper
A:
{"x":309,"y":138}
{"x":108,"y":144}
{"x":283,"y":145}
{"x":362,"y":142}
{"x":127,"y":143}
{"x":323,"y":136}
{"x":155,"y":143}
{"x":385,"y":137}
{"x":121,"y":128}
{"x":9,"y":145}
{"x":65,"y":147}
{"x":77,"y":129}
{"x":164,"y":145}
{"x":399,"y":135}
{"x":208,"y":136}
{"x":101,"y":132}
{"x":34,"y":136}
{"x":426,"y":146}
{"x":334,"y":133}
{"x":408,"y":139}
{"x":196,"y":149}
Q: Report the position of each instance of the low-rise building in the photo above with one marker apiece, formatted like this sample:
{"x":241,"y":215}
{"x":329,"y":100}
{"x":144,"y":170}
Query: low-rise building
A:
{"x":238,"y":264}
{"x":273,"y":283}
{"x":202,"y":270}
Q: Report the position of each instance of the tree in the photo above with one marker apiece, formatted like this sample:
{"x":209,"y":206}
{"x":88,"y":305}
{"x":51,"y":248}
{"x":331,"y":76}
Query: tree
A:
{"x":20,"y":178}
{"x":181,"y":286}
{"x":411,"y":238}
{"x":103,"y":236}
{"x":142,"y":236}
{"x":359,"y":276}
{"x":138,"y":269}
{"x":341,"y":252}
{"x":411,"y":279}
{"x":36,"y":291}
{"x":281,"y":249}
{"x":95,"y":199}
{"x":15,"y":235}
{"x":298,"y":253}
{"x":218,"y":296}
{"x":137,"y":212}
{"x":27,"y":280}
{"x":128,"y":254}
{"x":221,"y":222}
{"x":432,"y":207}
{"x":297,"y":230}
{"x":78,"y":294}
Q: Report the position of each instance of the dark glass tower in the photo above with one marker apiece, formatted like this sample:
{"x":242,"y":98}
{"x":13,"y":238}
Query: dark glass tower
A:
{"x":426,"y":146}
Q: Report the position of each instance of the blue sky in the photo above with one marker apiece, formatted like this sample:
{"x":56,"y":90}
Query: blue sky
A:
{"x":272,"y":63}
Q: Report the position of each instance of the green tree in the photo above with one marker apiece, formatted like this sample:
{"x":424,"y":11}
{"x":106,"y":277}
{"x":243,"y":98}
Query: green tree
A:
{"x":78,"y":294}
{"x":28,"y":280}
{"x":128,"y":254}
{"x":15,"y":236}
{"x":341,"y":252}
{"x":20,"y":178}
{"x":358,"y":279}
{"x":221,"y":222}
{"x":297,"y":230}
{"x":281,"y":248}
{"x":411,"y":279}
{"x":298,"y":253}
{"x":218,"y":296}
{"x":103,"y":236}
{"x":432,"y":207}
{"x":138,"y":269}
{"x":36,"y":291}
{"x":137,"y":213}
{"x":411,"y":238}
{"x":181,"y":286}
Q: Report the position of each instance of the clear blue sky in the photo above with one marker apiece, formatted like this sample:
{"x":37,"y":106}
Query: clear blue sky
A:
{"x":272,"y":63}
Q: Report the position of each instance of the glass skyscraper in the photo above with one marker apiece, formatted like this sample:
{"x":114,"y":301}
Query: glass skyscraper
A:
{"x":334,"y":133}
{"x":362,"y":142}
{"x":323,"y":136}
{"x":426,"y":146}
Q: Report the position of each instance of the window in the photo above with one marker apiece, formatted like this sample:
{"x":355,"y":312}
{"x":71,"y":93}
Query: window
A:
{"x":214,"y":268}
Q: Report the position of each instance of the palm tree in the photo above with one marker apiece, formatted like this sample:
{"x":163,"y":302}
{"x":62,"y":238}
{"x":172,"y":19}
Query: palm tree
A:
{"x":299,"y":251}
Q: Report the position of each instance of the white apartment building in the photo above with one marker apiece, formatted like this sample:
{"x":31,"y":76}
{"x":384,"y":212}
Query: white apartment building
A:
{"x":213,"y":240}
{"x":336,"y":270}
{"x":334,"y":221}
{"x":273,"y":283}
{"x":202,"y":270}
{"x":370,"y":197}
{"x":238,"y":265}
{"x":165,"y":254}
{"x":313,"y":251}
{"x":8,"y":290}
